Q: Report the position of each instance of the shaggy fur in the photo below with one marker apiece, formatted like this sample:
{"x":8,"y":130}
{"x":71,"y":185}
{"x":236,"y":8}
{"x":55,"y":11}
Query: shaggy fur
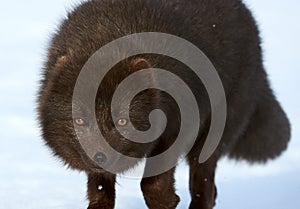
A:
{"x":256,"y":129}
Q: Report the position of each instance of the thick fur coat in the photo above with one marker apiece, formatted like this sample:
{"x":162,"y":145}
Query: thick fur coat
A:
{"x":256,"y":130}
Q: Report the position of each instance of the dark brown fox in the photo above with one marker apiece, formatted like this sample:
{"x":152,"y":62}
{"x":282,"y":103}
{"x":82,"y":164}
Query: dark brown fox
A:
{"x":256,"y":130}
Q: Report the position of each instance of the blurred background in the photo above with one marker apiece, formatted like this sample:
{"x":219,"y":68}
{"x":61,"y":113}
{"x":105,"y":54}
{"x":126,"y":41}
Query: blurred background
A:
{"x":30,"y":178}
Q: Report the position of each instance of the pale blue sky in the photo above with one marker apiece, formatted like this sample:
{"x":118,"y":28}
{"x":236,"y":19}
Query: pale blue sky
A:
{"x":30,"y":178}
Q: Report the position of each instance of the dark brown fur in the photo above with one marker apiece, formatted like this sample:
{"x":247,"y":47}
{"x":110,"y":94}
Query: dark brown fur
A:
{"x":256,"y":129}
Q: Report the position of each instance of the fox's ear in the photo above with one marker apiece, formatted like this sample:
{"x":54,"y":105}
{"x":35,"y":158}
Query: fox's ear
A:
{"x":63,"y":60}
{"x":139,"y":63}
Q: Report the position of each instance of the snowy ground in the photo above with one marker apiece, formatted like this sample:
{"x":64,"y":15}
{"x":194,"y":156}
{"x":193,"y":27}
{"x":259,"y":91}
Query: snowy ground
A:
{"x":30,"y":178}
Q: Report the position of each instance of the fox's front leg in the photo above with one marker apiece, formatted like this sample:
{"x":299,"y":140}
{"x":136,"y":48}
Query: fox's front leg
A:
{"x":159,"y":191}
{"x":101,"y":191}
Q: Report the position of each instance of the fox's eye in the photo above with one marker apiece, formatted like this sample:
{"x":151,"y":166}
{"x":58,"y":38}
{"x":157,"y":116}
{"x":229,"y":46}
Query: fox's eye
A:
{"x":79,"y":122}
{"x":122,"y":122}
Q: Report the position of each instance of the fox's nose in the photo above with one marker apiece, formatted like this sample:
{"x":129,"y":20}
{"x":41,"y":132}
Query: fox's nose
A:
{"x":100,"y":158}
